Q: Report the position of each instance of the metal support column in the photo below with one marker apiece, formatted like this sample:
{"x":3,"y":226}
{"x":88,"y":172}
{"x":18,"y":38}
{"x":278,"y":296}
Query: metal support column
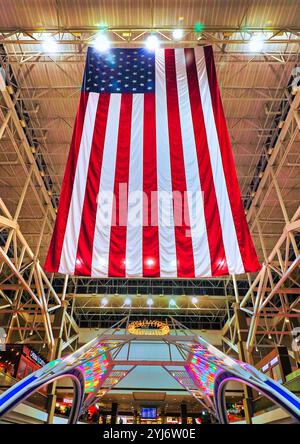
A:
{"x":59,"y":321}
{"x":242,"y":329}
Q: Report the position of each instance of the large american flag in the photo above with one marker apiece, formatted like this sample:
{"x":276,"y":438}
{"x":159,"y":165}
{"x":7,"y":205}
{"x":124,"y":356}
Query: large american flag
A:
{"x":150,"y":188}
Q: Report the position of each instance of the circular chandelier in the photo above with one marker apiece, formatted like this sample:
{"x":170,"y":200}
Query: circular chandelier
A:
{"x":148,"y":327}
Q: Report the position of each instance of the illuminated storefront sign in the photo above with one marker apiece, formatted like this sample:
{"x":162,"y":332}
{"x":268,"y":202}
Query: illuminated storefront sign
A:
{"x":36,"y":358}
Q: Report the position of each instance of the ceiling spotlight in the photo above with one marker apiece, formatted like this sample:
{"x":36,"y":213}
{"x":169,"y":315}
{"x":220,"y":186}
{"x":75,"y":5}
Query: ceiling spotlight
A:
{"x":152,"y":42}
{"x":256,"y":43}
{"x":172,"y":303}
{"x":101,"y":42}
{"x":50,"y":44}
{"x":127,"y":301}
{"x":194,"y":300}
{"x":104,"y":302}
{"x":287,"y":320}
{"x":178,"y":34}
{"x":150,"y":302}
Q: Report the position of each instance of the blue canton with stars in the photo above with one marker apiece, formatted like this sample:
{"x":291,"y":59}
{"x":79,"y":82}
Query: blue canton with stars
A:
{"x":119,"y":71}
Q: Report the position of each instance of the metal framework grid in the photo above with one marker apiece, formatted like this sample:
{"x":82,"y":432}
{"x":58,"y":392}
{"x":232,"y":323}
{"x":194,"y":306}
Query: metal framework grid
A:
{"x":270,"y":301}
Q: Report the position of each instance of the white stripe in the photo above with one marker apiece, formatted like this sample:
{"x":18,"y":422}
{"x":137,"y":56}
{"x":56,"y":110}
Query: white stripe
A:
{"x":106,"y":189}
{"x":69,"y":249}
{"x":166,"y":232}
{"x":195,"y":198}
{"x":232,"y":251}
{"x":134,"y":235}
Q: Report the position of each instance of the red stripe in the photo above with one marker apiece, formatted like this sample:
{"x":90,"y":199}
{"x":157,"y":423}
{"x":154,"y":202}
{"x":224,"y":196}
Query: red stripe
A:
{"x":183,"y":240}
{"x":54,"y":254}
{"x":151,"y":265}
{"x":211,"y":210}
{"x":246,"y":246}
{"x":117,"y":250}
{"x":86,"y":235}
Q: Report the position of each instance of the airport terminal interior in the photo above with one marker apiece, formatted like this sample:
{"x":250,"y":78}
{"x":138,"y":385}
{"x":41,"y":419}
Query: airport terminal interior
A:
{"x":136,"y":344}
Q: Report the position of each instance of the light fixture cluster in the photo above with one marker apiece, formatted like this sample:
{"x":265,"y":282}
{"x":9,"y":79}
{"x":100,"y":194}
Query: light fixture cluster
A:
{"x":102,"y":43}
{"x":150,"y":302}
{"x":152,"y":42}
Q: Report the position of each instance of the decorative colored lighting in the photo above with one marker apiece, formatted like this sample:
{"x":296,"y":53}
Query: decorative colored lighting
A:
{"x":149,"y":328}
{"x":95,"y":367}
{"x":178,"y":34}
{"x":204,"y":367}
{"x":152,"y":42}
{"x":256,"y":43}
{"x":50,"y":44}
{"x":198,"y":27}
{"x":101,"y":42}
